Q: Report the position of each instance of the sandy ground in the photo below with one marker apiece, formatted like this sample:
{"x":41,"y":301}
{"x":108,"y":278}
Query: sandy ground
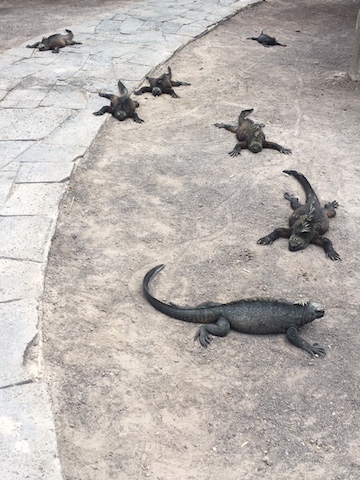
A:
{"x":134,"y":396}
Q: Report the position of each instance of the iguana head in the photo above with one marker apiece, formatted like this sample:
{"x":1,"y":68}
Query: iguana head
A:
{"x":314,"y":310}
{"x":120,"y":115}
{"x":256,"y":141}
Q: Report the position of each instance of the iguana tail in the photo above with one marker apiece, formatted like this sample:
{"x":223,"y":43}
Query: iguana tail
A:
{"x":200,"y":314}
{"x":303,"y":182}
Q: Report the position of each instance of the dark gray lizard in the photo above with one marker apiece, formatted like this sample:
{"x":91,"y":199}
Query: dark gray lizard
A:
{"x":308,"y":222}
{"x":55,"y":42}
{"x":162,"y":84}
{"x":250,"y":135}
{"x":254,"y":316}
{"x":121,"y":107}
{"x":266,"y":40}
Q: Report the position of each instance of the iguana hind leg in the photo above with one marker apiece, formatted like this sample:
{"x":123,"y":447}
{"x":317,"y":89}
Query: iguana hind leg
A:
{"x":171,"y":92}
{"x":274,"y":235}
{"x":179,"y":84}
{"x":327,"y":245}
{"x":220,"y":329}
{"x":295,"y":339}
{"x":294,"y":202}
{"x":230,"y":128}
{"x":330,"y":208}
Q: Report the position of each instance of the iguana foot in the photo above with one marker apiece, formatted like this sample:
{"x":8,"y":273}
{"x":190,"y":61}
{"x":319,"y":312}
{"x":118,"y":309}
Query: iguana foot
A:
{"x":204,"y":338}
{"x":287,"y":151}
{"x":265,"y":240}
{"x":333,"y":255}
{"x":175,"y":95}
{"x":234,"y":153}
{"x":333,"y":204}
{"x":316,"y":351}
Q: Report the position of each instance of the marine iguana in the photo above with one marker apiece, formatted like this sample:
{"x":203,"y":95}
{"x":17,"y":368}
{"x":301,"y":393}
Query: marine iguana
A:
{"x":266,"y":40}
{"x":308,"y":222}
{"x":55,"y":42}
{"x":254,"y":316}
{"x":250,"y":135}
{"x":162,"y":84}
{"x":120,"y":107}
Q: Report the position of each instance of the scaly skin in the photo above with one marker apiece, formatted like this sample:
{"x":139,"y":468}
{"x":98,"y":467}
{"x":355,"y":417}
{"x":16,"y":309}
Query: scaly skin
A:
{"x":162,"y":84}
{"x":308,"y":223}
{"x":266,"y":40}
{"x":122,"y":107}
{"x":253,"y":316}
{"x":250,"y":135}
{"x":55,"y":42}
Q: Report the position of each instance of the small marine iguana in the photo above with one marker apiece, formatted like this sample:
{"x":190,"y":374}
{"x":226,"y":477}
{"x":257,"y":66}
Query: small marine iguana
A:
{"x":55,"y":42}
{"x":250,"y":135}
{"x":122,"y":107}
{"x":266,"y":40}
{"x":162,"y":84}
{"x":308,"y":222}
{"x":254,"y":316}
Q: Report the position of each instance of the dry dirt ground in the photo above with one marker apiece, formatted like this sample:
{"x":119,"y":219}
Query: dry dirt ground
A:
{"x":134,"y":396}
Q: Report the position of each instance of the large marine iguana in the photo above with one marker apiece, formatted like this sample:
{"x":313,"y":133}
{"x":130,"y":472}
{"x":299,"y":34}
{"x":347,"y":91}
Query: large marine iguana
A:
{"x":266,"y":40}
{"x":254,"y":316}
{"x":308,"y":222}
{"x":162,"y":84}
{"x":55,"y":42}
{"x":122,"y":107}
{"x":250,"y":135}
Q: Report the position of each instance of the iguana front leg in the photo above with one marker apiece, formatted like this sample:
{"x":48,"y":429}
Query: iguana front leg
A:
{"x":295,"y":339}
{"x":103,"y":110}
{"x":109,"y":96}
{"x":33,"y":46}
{"x":274,"y":235}
{"x":237,"y":149}
{"x":330,"y":209}
{"x":276,"y":146}
{"x":136,"y":117}
{"x":143,"y":90}
{"x":220,"y":329}
{"x":327,"y":245}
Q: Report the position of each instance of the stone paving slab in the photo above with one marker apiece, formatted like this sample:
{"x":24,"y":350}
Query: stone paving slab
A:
{"x":46,"y":124}
{"x":27,"y":435}
{"x":18,"y":327}
{"x":20,"y":279}
{"x":33,"y":247}
{"x":34,"y":199}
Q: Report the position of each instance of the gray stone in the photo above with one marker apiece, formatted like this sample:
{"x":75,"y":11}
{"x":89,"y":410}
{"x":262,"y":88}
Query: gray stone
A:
{"x":34,"y":123}
{"x":6,"y":184}
{"x":19,"y":320}
{"x":44,"y":172}
{"x":34,"y":199}
{"x":43,"y":152}
{"x":130,"y":25}
{"x":65,"y":96}
{"x":20,"y":280}
{"x":129,"y":72}
{"x":27,"y":94}
{"x":25,"y":237}
{"x":79,"y":129}
{"x":28,"y":441}
{"x":11,"y":150}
